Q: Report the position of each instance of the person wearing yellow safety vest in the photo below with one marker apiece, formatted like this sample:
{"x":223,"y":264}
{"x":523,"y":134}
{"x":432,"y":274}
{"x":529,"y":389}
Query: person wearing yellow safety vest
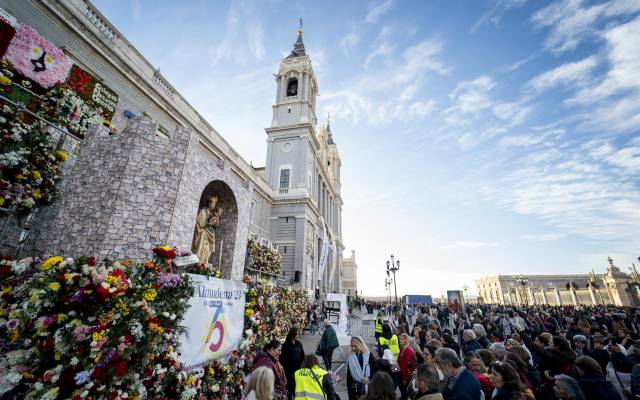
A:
{"x":313,"y":382}
{"x":388,"y":341}
{"x":378,"y":326}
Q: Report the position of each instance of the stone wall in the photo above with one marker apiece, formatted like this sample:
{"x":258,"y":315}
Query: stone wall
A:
{"x":120,"y":196}
{"x":200,"y":170}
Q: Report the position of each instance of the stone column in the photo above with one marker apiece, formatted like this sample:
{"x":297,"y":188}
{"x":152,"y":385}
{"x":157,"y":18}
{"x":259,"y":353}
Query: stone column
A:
{"x":574,"y":297}
{"x":592,"y":292}
{"x":544,"y":296}
{"x":558,"y":296}
{"x":532,"y":296}
{"x":609,"y":292}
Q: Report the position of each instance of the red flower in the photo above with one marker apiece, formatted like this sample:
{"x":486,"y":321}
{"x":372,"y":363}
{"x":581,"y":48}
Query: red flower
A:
{"x":80,"y":350}
{"x":92,"y":261}
{"x":163,"y":252}
{"x":5,"y":269}
{"x":122,"y":368}
{"x":148,"y":372}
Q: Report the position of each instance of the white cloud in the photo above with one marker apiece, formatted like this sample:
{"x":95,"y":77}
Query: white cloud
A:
{"x":522,"y":140}
{"x":518,"y":64}
{"x":546,"y":237}
{"x":513,"y":112}
{"x":573,"y":73}
{"x":472,"y":96}
{"x":242,"y":42}
{"x":382,"y":50}
{"x":378,"y":11}
{"x":497,"y":11}
{"x":624,"y":58}
{"x":571,"y":21}
{"x":349,"y":41}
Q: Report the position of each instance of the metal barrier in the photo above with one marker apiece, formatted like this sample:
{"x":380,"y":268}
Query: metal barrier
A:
{"x":358,"y":327}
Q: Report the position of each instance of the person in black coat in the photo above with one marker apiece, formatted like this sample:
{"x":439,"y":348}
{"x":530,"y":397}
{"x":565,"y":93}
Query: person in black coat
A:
{"x":592,"y":381}
{"x":291,"y":359}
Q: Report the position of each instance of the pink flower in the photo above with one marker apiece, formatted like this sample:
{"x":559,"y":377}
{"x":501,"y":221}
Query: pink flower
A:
{"x":36,"y":58}
{"x":79,"y":333}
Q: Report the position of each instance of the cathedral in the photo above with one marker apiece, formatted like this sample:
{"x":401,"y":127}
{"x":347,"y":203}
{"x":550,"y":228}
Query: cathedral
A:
{"x":161,"y":170}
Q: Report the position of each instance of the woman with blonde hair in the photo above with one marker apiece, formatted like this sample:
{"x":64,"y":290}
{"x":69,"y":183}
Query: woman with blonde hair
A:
{"x":360,"y":367}
{"x":260,"y":385}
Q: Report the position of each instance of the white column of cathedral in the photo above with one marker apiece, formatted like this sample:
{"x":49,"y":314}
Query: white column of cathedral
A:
{"x":592,"y":292}
{"x":544,"y":295}
{"x":532,"y":296}
{"x":574,"y":297}
{"x":558,"y":296}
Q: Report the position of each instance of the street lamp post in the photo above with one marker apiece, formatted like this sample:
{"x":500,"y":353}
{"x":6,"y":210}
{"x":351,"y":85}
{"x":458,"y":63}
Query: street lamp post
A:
{"x":393,"y":266}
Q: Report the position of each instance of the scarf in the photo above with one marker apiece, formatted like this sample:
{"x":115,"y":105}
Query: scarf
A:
{"x":358,"y":372}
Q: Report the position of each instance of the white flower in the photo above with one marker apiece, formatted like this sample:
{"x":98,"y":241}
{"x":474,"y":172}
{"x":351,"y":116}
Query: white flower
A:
{"x":74,"y":361}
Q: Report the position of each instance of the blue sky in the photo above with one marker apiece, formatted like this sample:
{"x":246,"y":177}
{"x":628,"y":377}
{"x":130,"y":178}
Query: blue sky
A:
{"x":477,"y":137}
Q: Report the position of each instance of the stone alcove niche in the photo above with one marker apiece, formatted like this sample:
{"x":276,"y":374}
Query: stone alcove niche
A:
{"x":226,"y":231}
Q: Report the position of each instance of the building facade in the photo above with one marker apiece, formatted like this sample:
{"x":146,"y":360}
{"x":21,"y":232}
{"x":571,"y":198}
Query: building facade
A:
{"x":350,"y":274}
{"x":613,"y":287}
{"x":124,"y":193}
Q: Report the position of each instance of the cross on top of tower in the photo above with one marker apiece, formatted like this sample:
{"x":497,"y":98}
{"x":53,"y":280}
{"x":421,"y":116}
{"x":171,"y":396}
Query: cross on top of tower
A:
{"x":298,"y":46}
{"x":610,"y":261}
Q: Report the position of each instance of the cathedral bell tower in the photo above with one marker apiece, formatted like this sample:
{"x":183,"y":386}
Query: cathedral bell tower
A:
{"x":297,"y":89}
{"x":291,"y":138}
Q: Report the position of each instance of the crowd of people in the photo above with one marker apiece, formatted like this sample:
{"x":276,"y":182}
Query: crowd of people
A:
{"x":491,"y":352}
{"x":504,"y":352}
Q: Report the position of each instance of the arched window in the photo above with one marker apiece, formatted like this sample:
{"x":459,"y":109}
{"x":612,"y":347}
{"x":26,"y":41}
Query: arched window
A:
{"x":292,"y":87}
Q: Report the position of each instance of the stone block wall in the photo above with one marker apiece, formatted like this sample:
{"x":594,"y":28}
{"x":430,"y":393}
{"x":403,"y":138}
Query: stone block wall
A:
{"x":200,"y":170}
{"x":120,"y":196}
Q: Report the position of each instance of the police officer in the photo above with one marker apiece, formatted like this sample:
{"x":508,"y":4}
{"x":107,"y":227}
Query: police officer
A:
{"x":388,"y":340}
{"x":313,"y":382}
{"x":378,"y":326}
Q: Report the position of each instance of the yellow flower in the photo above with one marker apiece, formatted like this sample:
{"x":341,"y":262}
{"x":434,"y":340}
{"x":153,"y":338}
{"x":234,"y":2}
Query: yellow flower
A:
{"x":19,"y":177}
{"x":55,"y":286}
{"x":4,"y":81}
{"x":6,"y":290}
{"x":150,"y":294}
{"x":14,"y":335}
{"x":62,"y":317}
{"x":97,"y":336}
{"x":36,"y":175}
{"x":37,"y":195}
{"x":211,"y":371}
{"x":51,"y":262}
{"x":61,"y":155}
{"x":249,"y":312}
{"x":1,"y":201}
{"x":191,"y":380}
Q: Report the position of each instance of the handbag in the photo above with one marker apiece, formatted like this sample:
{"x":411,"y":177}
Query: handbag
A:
{"x":357,"y":388}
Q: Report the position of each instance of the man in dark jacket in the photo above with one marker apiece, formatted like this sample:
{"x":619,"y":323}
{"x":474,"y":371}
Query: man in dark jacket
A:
{"x":461,"y":384}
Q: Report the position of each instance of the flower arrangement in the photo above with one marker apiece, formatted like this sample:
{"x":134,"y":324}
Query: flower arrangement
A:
{"x":263,"y":258}
{"x":29,"y":164}
{"x":78,"y":329}
{"x":82,"y":329}
{"x":36,"y":58}
{"x":65,"y":107}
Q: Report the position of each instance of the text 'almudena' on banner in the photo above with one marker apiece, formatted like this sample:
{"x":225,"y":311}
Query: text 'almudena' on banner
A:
{"x":215,"y":320}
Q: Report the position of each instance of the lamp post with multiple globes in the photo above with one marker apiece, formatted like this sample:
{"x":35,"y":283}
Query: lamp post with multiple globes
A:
{"x":393,"y":266}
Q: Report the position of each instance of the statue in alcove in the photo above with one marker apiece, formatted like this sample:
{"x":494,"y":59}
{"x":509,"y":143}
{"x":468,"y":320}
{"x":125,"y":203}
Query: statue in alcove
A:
{"x":204,"y":237}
